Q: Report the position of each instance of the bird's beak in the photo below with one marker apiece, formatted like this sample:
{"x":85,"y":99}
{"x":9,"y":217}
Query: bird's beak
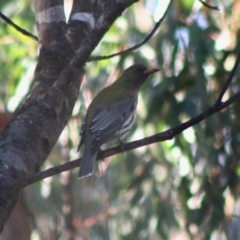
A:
{"x":151,"y":70}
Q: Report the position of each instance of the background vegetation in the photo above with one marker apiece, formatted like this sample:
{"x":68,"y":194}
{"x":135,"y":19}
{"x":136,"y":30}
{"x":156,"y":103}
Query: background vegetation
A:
{"x":185,"y":188}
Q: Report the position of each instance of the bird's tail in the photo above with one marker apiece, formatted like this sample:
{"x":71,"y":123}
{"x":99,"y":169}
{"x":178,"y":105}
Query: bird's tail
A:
{"x":87,"y":163}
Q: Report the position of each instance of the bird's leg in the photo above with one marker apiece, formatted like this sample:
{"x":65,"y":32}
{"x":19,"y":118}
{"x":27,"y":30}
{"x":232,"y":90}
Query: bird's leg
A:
{"x":99,"y":152}
{"x":122,"y":144}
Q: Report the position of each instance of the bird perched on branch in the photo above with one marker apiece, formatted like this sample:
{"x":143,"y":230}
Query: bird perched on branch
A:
{"x":111,"y":114}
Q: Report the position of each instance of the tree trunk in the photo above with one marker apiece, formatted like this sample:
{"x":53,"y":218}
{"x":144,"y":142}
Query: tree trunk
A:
{"x":36,"y":125}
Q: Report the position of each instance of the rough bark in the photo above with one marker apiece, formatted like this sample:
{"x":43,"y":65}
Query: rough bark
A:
{"x":64,"y":49}
{"x":19,"y":224}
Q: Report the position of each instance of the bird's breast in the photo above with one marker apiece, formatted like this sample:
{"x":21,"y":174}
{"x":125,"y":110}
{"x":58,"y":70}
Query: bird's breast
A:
{"x":127,"y":126}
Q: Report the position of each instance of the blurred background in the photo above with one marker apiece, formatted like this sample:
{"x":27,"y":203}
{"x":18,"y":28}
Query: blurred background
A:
{"x":186,"y":188}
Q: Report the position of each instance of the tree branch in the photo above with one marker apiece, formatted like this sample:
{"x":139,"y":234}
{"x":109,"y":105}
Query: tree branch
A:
{"x":230,"y":78}
{"x":159,"y":137}
{"x":19,"y":29}
{"x":209,"y":6}
{"x":155,"y":28}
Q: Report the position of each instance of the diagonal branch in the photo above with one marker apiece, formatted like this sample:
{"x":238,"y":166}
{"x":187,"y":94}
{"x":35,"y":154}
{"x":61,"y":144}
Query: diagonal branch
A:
{"x":159,"y":137}
{"x":166,"y":135}
{"x":155,"y":28}
{"x":209,"y":6}
{"x":19,"y":29}
{"x":229,"y":80}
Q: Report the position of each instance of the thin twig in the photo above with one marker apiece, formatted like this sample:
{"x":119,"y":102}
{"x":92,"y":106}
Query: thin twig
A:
{"x":19,"y":29}
{"x":209,"y":6}
{"x":155,"y":28}
{"x":230,"y":78}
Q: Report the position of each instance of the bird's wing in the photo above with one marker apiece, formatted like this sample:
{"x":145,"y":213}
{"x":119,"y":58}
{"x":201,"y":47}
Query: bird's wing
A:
{"x":82,"y":133}
{"x":106,"y":121}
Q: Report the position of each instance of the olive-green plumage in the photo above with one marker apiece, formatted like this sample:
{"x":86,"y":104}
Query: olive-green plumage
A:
{"x":111,"y":114}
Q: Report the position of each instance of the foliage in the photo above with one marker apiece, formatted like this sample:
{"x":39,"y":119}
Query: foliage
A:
{"x":186,"y":188}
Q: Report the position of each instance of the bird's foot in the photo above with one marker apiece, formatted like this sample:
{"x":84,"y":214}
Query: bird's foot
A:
{"x":99,"y":153}
{"x":122,"y":145}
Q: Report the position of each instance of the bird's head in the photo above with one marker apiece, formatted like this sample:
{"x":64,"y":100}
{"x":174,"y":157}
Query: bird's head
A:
{"x":136,"y":75}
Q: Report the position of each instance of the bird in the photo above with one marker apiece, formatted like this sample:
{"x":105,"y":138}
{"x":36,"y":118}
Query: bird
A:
{"x":111,"y":115}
